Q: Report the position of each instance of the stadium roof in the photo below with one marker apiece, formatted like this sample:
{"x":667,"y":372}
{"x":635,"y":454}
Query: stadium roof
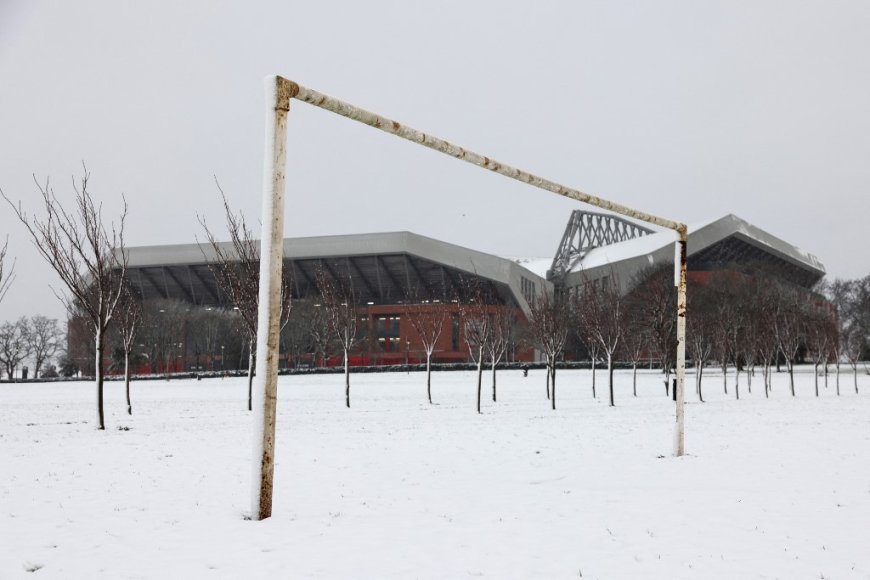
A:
{"x":728,"y":242}
{"x":384,"y":268}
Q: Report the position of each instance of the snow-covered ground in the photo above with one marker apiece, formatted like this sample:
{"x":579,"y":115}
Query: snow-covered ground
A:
{"x":397,"y":488}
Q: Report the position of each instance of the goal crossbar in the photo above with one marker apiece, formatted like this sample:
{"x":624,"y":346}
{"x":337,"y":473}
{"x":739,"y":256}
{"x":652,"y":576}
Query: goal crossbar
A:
{"x":312,"y":97}
{"x":279,"y":91}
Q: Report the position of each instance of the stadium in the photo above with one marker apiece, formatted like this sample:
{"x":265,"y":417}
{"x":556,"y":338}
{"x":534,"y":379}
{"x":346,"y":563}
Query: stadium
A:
{"x":388,"y":272}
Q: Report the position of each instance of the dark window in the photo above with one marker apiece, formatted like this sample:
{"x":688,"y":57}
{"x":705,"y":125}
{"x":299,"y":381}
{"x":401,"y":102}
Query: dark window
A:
{"x":387,"y":330}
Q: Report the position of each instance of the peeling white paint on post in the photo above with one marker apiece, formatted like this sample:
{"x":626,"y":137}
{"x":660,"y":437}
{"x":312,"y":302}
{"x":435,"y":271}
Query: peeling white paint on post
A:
{"x":265,"y":388}
{"x":680,"y":265}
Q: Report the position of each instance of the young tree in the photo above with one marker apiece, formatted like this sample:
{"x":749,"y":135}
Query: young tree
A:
{"x":477,"y":329}
{"x":340,"y":309}
{"x":789,"y":325}
{"x":501,"y":322}
{"x":654,"y":298}
{"x":600,"y":311}
{"x":839,"y":294}
{"x":700,"y":333}
{"x":89,"y":258}
{"x":129,"y":321}
{"x":163,"y":329}
{"x":634,"y":343}
{"x":767,"y":345}
{"x":428,"y":322}
{"x":6,"y":277}
{"x":819,"y":334}
{"x":13,"y":345}
{"x":317,"y":328}
{"x":43,"y":340}
{"x":548,"y":328}
{"x":236,"y":268}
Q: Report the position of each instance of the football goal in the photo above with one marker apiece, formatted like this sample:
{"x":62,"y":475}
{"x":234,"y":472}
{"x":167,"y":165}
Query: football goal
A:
{"x":279,"y":92}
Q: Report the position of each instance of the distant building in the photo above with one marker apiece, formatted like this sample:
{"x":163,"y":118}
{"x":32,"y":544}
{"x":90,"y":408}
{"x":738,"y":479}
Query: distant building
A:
{"x":390,"y":270}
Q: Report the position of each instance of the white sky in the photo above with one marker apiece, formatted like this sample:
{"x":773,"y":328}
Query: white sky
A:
{"x":688,"y":110}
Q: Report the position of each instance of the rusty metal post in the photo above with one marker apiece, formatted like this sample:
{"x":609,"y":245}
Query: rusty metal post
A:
{"x":265,"y":389}
{"x":681,"y":266}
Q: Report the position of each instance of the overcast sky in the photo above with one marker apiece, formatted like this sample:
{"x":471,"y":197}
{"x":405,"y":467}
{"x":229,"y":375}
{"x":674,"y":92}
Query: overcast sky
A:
{"x":689,"y":110}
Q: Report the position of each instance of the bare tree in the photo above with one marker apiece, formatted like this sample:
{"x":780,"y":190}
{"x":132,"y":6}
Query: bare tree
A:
{"x":296,"y":337}
{"x":501,"y":322}
{"x":634,"y":343}
{"x":700,"y":332}
{"x":789,"y":325}
{"x":236,"y":268}
{"x":13,"y":345}
{"x":548,"y":328}
{"x":339,"y":306}
{"x":6,"y":277}
{"x":655,"y":301}
{"x":129,"y":322}
{"x":43,"y":339}
{"x":819,"y":334}
{"x":163,"y":329}
{"x":477,"y":327}
{"x":89,"y":258}
{"x":427,"y":320}
{"x":838,"y":294}
{"x":317,"y":328}
{"x":600,"y":311}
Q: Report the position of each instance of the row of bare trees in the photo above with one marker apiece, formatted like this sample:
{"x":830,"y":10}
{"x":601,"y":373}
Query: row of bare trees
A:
{"x":739,"y":321}
{"x":37,"y":338}
{"x":607,"y":323}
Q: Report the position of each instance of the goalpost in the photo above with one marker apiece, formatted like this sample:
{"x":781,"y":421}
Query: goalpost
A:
{"x":279,"y":91}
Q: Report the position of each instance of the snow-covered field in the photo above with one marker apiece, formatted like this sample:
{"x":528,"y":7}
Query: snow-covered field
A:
{"x":397,"y":488}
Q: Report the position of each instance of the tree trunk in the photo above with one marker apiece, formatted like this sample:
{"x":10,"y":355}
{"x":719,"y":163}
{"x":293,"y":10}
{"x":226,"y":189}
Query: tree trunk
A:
{"x":553,"y":388}
{"x":855,"y":376}
{"x":493,"y":382}
{"x":737,"y":379}
{"x":826,"y":373}
{"x":790,"y":366}
{"x":250,"y":376}
{"x":593,"y":377}
{"x":548,"y":378}
{"x":838,"y":376}
{"x":610,"y":376}
{"x":816,"y":377}
{"x":634,"y":379}
{"x":98,"y":372}
{"x":346,"y":380}
{"x":479,"y":377}
{"x":725,"y":376}
{"x":700,"y":381}
{"x":749,"y":373}
{"x":127,"y":380}
{"x":429,"y":376}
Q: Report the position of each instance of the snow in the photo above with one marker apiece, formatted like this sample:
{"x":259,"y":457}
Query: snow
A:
{"x":537,"y":266}
{"x":397,"y":488}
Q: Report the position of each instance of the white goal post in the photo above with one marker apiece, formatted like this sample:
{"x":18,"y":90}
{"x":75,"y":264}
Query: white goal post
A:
{"x":279,"y":91}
